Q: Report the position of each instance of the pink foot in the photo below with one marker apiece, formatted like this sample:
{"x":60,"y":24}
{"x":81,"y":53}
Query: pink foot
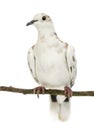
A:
{"x":67,"y":92}
{"x":39,"y":90}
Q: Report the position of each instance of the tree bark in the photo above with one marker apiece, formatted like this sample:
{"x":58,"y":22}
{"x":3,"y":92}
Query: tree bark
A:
{"x":47,"y":91}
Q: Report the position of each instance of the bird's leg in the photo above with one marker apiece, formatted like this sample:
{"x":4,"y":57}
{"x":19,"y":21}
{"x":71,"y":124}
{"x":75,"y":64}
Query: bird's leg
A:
{"x":67,"y":92}
{"x":39,"y":90}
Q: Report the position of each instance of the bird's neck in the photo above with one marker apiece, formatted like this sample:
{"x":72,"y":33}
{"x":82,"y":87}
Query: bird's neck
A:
{"x":45,"y":33}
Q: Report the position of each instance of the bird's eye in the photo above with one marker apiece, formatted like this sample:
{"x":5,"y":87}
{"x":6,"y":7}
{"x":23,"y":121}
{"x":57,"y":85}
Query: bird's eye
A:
{"x":44,"y":18}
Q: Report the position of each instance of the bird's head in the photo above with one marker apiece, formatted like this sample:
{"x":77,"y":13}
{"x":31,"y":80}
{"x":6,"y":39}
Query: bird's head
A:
{"x":41,"y":22}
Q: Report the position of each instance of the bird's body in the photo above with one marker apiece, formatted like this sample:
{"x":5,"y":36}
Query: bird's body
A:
{"x":51,"y":61}
{"x":51,"y":64}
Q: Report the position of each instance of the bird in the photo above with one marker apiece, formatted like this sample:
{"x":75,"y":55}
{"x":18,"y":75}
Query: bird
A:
{"x":52,"y":63}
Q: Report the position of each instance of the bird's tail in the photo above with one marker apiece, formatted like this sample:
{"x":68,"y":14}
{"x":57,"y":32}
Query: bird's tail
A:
{"x":54,"y":106}
{"x":60,"y":106}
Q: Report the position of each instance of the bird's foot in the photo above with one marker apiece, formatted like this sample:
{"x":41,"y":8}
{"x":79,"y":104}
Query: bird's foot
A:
{"x":67,"y":92}
{"x":39,"y":90}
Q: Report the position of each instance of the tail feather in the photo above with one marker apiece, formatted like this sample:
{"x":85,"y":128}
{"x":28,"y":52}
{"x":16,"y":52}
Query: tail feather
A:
{"x":54,"y":106}
{"x":60,"y":106}
{"x":53,"y":98}
{"x":64,"y":111}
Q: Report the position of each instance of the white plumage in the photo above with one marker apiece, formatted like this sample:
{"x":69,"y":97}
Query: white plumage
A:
{"x":52,"y":61}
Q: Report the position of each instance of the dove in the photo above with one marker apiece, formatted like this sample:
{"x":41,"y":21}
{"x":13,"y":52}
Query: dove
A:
{"x":52,"y":63}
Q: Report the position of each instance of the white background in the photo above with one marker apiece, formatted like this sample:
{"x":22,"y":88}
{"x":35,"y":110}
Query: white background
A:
{"x":74,"y":23}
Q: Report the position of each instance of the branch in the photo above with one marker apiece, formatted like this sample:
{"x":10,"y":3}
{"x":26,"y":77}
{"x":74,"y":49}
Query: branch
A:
{"x":47,"y":91}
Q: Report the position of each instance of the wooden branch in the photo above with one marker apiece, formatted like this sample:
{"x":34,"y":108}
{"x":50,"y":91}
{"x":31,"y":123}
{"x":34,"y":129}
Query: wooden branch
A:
{"x":47,"y":91}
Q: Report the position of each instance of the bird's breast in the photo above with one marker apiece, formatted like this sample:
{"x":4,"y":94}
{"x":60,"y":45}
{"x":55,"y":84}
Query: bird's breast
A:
{"x":51,"y":67}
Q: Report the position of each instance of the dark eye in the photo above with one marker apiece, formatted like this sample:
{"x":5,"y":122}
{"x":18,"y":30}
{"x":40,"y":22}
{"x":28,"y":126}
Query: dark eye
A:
{"x":44,"y":18}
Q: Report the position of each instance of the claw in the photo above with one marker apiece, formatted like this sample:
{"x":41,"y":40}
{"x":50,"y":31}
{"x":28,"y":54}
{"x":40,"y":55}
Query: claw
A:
{"x":67,"y":92}
{"x":39,"y":90}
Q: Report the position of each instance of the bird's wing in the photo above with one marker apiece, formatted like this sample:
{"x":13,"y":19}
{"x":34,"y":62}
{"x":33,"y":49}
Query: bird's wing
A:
{"x":71,"y":63}
{"x":32,"y":63}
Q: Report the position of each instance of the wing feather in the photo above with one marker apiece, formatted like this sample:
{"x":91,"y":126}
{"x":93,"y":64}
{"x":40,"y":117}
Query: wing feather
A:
{"x":71,"y":63}
{"x":32,"y":63}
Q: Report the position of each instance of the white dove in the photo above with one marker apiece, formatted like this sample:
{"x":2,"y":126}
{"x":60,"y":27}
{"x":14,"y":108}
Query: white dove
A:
{"x":52,"y":63}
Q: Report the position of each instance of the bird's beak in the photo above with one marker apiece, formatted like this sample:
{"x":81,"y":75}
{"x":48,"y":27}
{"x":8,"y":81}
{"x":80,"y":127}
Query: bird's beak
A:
{"x":31,"y":22}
